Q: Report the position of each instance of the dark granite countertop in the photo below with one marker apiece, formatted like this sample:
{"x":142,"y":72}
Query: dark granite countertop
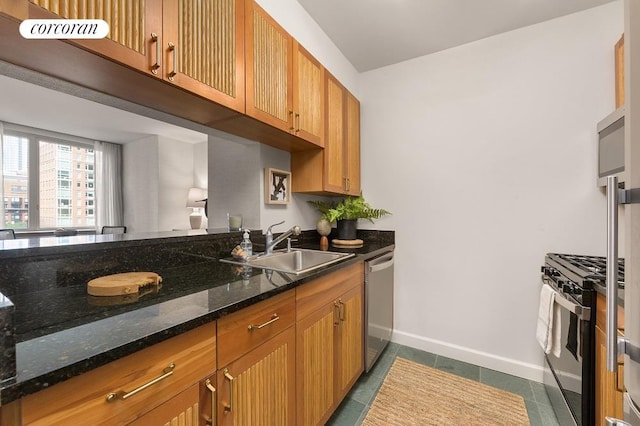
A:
{"x":61,"y":332}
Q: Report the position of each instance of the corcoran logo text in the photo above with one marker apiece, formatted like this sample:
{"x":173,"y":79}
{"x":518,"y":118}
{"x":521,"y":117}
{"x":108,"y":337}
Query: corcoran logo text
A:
{"x":64,"y":28}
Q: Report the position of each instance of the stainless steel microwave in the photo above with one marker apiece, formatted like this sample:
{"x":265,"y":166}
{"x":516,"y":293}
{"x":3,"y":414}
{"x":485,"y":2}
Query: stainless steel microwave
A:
{"x":611,"y":147}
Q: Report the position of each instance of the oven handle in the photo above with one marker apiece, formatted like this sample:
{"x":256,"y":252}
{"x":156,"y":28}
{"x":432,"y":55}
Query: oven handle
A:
{"x":612,"y":273}
{"x":582,"y":312}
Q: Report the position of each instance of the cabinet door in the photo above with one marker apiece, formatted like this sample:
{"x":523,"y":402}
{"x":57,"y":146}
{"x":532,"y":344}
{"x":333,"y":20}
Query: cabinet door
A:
{"x":315,"y":373}
{"x":352,"y":145}
{"x":268,"y":69}
{"x":334,"y":161}
{"x":608,"y":397}
{"x":259,"y":388}
{"x":193,"y":407}
{"x":349,"y":341}
{"x":308,"y":96}
{"x":204,"y":48}
{"x":135,"y":34}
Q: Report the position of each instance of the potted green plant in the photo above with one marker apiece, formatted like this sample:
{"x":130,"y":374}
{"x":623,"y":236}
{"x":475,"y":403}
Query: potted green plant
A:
{"x":347,"y":212}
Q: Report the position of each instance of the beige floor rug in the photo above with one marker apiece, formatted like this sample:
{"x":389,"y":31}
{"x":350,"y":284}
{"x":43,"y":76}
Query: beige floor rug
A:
{"x":414,"y":394}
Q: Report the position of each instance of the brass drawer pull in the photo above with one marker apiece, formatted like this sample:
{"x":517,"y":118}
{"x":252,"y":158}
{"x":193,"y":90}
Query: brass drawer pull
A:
{"x":173,"y":49}
{"x":154,"y":67}
{"x":336,"y":313}
{"x":229,"y":408}
{"x":168,"y":371}
{"x":214,"y":414}
{"x":273,"y":319}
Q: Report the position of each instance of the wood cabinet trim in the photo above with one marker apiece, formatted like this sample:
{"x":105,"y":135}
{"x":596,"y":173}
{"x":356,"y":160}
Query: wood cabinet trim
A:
{"x":234,"y":337}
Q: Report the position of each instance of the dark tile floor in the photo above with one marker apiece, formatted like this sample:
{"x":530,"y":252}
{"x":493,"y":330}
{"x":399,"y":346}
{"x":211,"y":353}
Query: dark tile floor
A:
{"x":354,"y":408}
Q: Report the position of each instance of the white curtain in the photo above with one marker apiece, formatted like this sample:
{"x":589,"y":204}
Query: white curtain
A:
{"x":109,"y":207}
{"x":2,"y":212}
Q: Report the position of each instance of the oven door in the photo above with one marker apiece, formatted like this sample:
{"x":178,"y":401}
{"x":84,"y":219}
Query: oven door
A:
{"x":569,"y":377}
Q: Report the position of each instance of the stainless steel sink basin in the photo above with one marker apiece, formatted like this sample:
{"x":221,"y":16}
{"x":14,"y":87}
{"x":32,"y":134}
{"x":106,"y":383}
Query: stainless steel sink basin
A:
{"x":296,"y":261}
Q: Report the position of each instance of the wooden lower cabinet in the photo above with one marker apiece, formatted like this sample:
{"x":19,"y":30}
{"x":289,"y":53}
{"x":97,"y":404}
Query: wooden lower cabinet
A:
{"x":259,"y":387}
{"x":287,"y":360}
{"x":609,"y":386}
{"x":330,"y":342}
{"x":98,"y":397}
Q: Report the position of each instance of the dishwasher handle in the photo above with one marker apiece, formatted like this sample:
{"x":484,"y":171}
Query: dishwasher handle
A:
{"x":380,"y":263}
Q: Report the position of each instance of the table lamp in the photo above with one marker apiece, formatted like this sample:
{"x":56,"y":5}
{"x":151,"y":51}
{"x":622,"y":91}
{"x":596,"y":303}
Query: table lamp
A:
{"x":196,"y":200}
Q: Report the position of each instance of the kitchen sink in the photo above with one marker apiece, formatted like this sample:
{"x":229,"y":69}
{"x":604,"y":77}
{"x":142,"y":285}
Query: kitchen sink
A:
{"x":296,"y":261}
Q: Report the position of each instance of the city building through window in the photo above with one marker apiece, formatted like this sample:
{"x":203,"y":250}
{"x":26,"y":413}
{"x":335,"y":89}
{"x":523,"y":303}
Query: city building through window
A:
{"x":41,"y":178}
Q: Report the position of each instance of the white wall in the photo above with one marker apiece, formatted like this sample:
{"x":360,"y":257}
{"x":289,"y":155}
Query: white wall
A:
{"x":236,"y":185}
{"x":140,"y":174}
{"x":157,"y":174}
{"x":176,"y":167}
{"x":490,"y":158}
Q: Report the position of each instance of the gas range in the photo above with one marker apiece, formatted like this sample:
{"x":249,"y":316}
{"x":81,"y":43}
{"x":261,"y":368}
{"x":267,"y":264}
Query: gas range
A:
{"x":575,"y":272}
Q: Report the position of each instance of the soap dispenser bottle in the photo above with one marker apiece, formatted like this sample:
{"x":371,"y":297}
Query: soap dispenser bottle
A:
{"x":246,"y":243}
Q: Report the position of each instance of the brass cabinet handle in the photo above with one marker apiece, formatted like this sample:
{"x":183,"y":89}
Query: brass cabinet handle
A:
{"x":168,"y":371}
{"x":293,"y":126}
{"x":156,"y":66}
{"x":336,"y":313}
{"x":229,"y":408}
{"x":273,"y":319}
{"x":214,"y":414}
{"x":341,"y":310}
{"x":298,"y":126}
{"x":173,"y":49}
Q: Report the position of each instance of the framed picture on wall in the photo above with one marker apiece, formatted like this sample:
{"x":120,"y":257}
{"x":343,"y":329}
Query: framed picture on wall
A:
{"x":277,"y":186}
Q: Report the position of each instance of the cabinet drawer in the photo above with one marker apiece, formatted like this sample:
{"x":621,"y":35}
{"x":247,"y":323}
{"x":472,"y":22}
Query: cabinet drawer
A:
{"x":246,"y":329}
{"x":318,"y":293}
{"x":83,"y":399}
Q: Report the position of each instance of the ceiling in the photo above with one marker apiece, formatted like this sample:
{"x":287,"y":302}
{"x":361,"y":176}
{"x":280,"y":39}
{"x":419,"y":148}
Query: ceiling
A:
{"x":376,"y":33}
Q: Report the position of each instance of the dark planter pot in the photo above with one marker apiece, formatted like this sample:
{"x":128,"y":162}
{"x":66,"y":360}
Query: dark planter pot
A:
{"x":347,"y":229}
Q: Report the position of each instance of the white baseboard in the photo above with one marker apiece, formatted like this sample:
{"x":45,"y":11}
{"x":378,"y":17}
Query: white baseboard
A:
{"x":483,"y":359}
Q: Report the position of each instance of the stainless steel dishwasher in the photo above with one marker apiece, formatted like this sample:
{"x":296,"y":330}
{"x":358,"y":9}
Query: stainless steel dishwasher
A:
{"x":378,"y":306}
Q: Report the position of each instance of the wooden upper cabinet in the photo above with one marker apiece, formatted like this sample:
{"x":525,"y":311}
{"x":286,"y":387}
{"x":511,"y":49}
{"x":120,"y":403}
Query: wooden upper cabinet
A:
{"x":334,"y":161}
{"x":203,"y":48}
{"x":308,"y":96}
{"x":268,"y":55}
{"x":135,"y":28}
{"x":336,"y":168}
{"x":198,"y":46}
{"x":352,"y":145}
{"x":285,"y":83}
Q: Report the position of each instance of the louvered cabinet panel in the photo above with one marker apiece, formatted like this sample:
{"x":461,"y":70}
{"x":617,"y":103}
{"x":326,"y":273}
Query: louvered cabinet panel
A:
{"x":131,"y":25}
{"x":334,"y":160}
{"x":204,"y":48}
{"x":352,"y":145}
{"x":308,"y":96}
{"x":193,"y":407}
{"x":259,"y":388}
{"x":268,"y":69}
{"x":315,"y":374}
{"x":350,"y":358}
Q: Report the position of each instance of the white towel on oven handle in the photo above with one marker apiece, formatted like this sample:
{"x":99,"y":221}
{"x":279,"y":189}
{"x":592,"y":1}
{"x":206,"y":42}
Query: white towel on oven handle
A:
{"x":548,"y":326}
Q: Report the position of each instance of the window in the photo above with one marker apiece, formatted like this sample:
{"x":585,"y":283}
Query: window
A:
{"x":48,"y":167}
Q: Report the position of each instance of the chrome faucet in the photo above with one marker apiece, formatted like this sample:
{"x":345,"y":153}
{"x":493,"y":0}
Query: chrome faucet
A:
{"x":270,"y":243}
